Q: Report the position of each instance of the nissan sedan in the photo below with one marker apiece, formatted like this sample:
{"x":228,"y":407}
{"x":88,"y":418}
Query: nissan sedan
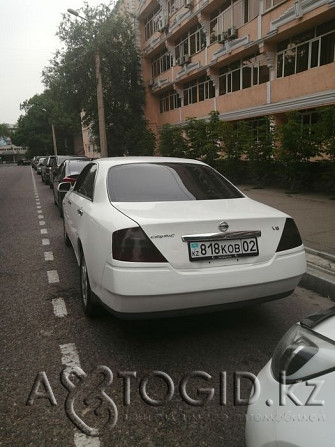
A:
{"x":157,"y":236}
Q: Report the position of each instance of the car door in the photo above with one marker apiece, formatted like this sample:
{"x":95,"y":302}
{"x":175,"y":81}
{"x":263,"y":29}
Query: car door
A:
{"x":77,"y":205}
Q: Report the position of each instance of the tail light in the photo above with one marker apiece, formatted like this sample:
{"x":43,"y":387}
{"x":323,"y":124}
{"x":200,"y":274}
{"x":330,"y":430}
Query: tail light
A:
{"x":290,"y":237}
{"x":133,"y":245}
{"x":71,"y":180}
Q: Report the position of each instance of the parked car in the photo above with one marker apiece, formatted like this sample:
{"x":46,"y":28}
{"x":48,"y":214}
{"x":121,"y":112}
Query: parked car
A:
{"x":57,"y":161}
{"x":35,"y":161}
{"x":46,"y":168}
{"x":68,"y":172}
{"x":155,"y":235}
{"x":23,"y":162}
{"x":41,"y":161}
{"x":296,"y":404}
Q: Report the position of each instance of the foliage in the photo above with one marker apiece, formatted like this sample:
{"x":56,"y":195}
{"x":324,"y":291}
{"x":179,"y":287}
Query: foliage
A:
{"x":325,"y":130}
{"x":260,"y":151}
{"x":34,"y":127}
{"x":203,"y":138}
{"x":72,"y":74}
{"x":172,"y":142}
{"x":298,"y":144}
{"x":5,"y":130}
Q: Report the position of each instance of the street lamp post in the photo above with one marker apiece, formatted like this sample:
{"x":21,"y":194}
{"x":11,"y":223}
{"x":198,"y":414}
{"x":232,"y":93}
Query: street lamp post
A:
{"x":100,"y":97}
{"x":53,"y":133}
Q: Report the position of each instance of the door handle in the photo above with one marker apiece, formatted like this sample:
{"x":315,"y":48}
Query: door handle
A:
{"x":80,"y":211}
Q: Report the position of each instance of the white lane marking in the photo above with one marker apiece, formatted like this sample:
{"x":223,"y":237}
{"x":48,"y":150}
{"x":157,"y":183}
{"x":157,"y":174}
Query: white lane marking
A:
{"x":38,"y":207}
{"x":48,"y":256}
{"x":42,"y":222}
{"x":39,"y":211}
{"x":70,"y":356}
{"x":59,"y":307}
{"x":44,"y":231}
{"x":82,"y":440}
{"x":45,"y":241}
{"x":70,"y":359}
{"x":40,"y":216}
{"x":53,"y":276}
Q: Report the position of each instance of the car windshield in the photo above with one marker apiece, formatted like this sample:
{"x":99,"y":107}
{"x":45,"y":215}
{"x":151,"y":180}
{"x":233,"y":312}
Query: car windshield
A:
{"x":160,"y":182}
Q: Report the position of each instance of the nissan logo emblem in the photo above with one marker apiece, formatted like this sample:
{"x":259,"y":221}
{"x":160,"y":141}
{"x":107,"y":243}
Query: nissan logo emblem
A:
{"x":223,"y":227}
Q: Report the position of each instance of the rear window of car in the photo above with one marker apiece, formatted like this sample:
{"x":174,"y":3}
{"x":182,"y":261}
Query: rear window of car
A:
{"x":75,"y":167}
{"x":161,"y":182}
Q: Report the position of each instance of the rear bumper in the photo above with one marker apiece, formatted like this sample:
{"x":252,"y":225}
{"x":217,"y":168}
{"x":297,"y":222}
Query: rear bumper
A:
{"x":141,"y":290}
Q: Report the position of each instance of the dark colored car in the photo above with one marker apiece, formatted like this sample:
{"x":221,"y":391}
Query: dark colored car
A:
{"x":23,"y":162}
{"x":46,"y":168}
{"x":35,"y":161}
{"x":57,"y":161}
{"x":67,"y":172}
{"x":40,"y":163}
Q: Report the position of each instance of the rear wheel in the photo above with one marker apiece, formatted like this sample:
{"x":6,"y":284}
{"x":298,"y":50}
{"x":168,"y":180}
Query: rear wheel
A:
{"x":87,"y":296}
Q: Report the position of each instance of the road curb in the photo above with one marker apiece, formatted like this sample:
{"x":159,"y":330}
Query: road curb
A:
{"x":320,"y":275}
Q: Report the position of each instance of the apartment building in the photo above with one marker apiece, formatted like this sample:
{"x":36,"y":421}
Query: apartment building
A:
{"x":244,"y":58}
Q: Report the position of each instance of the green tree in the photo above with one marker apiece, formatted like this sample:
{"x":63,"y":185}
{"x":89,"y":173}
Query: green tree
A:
{"x":203,"y":138}
{"x":298,"y":143}
{"x":34,"y":127}
{"x":172,"y":142}
{"x":5,"y":130}
{"x":260,"y":152}
{"x":325,"y":129}
{"x":72,"y":74}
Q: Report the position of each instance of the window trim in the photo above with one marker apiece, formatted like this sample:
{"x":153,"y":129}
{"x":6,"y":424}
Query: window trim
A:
{"x":82,"y":195}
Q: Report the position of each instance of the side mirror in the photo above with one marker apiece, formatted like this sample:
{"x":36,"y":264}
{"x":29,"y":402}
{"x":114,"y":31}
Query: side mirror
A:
{"x":64,"y":187}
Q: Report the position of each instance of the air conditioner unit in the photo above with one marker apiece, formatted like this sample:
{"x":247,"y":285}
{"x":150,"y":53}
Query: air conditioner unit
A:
{"x":187,"y":59}
{"x":161,"y":24}
{"x":231,"y":33}
{"x":188,"y":4}
{"x":222,"y":38}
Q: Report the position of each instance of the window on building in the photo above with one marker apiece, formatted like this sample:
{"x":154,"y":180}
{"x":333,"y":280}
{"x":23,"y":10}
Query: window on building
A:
{"x":174,"y":5}
{"x":162,"y":62}
{"x":244,"y":73}
{"x":271,"y":3}
{"x":151,"y":22}
{"x":313,"y":48}
{"x":191,"y":42}
{"x":169,"y":101}
{"x":232,"y":13}
{"x":198,"y":90}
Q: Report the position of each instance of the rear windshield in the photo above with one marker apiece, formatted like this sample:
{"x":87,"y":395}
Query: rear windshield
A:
{"x":75,"y":167}
{"x":161,"y":182}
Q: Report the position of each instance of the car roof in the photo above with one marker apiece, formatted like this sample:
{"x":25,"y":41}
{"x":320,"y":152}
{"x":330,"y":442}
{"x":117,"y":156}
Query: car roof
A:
{"x":112,"y":161}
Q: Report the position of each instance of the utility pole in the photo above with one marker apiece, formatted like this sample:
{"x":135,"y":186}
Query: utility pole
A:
{"x":100,"y":97}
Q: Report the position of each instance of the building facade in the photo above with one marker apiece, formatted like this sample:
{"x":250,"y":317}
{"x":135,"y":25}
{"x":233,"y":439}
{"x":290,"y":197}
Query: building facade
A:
{"x":243,"y":58}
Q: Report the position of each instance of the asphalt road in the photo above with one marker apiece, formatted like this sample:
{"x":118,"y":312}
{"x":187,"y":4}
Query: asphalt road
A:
{"x":43,"y":329}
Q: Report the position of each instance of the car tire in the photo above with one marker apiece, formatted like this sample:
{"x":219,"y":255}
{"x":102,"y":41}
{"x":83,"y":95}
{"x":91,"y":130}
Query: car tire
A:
{"x":67,"y":241}
{"x":87,"y":296}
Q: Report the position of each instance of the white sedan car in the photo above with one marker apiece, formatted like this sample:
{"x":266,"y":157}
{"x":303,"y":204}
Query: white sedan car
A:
{"x":295,"y":402}
{"x":157,"y":235}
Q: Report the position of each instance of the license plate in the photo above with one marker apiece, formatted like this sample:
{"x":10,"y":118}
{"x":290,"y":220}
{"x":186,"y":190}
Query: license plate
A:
{"x":223,"y":249}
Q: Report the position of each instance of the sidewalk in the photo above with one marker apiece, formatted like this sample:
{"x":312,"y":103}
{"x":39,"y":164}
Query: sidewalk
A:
{"x":315,"y":216}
